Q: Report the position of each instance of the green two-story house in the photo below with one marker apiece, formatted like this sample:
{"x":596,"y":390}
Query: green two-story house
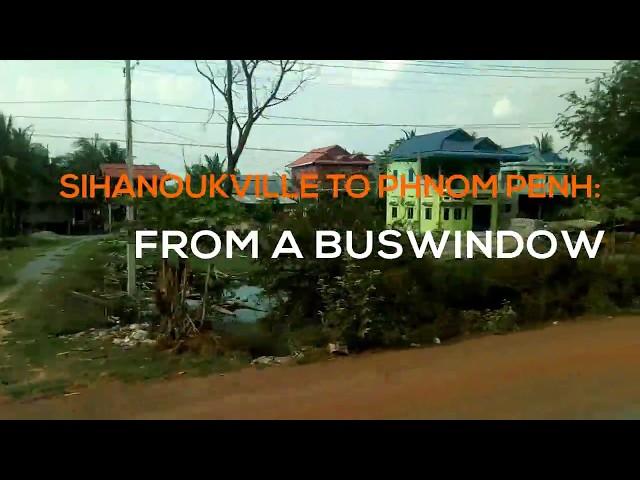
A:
{"x":447,"y":153}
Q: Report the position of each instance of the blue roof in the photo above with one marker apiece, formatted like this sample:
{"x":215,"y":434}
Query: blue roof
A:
{"x":522,"y":149}
{"x":553,"y":157}
{"x":550,"y":157}
{"x":450,"y":143}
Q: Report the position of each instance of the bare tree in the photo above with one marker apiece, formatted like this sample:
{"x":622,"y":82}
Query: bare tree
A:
{"x":237,"y":83}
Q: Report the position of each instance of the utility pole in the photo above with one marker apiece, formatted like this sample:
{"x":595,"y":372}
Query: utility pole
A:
{"x":131,"y":257}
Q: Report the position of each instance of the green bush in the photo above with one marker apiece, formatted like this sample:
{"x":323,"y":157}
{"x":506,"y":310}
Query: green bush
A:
{"x":413,"y":300}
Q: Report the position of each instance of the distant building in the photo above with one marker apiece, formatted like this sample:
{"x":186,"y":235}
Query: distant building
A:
{"x":549,"y":164}
{"x":117,"y":213}
{"x":274,"y":185}
{"x":329,"y":160}
{"x":446,"y":153}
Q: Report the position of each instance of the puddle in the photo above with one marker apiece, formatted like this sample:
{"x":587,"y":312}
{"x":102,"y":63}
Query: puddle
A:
{"x":252,"y":296}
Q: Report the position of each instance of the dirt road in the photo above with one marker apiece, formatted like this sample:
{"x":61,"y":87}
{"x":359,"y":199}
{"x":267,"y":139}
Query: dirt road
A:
{"x":45,"y":264}
{"x":585,"y":369}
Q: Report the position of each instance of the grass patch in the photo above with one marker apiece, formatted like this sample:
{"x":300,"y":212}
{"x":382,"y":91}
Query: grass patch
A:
{"x":37,"y":361}
{"x":45,"y":388}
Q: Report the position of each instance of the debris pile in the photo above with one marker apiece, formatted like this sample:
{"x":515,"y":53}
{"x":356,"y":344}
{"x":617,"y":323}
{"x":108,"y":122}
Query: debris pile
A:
{"x":126,"y":336}
{"x":270,"y":360}
{"x":338,"y":349}
{"x":7,"y":317}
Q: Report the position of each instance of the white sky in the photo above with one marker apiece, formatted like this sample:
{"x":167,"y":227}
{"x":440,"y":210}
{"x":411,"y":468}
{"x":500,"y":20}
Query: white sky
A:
{"x":396,"y":95}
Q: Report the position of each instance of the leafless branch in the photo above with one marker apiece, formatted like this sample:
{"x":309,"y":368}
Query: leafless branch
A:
{"x":241,"y":75}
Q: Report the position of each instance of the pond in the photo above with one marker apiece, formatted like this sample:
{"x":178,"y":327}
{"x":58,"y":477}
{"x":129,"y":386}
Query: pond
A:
{"x":253,"y":296}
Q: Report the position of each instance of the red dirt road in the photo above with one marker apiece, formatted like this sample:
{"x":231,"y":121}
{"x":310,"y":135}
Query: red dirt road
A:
{"x":586,"y":369}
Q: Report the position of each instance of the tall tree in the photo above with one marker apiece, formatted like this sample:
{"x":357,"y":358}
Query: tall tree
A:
{"x":237,"y":83}
{"x":22,"y":171}
{"x":604,"y":124}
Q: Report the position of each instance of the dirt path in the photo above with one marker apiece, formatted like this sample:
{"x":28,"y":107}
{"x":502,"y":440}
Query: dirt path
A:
{"x":38,"y":269}
{"x":44,"y":264}
{"x":586,"y":369}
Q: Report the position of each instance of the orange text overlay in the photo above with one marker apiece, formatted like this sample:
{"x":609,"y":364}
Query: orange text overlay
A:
{"x":309,"y":186}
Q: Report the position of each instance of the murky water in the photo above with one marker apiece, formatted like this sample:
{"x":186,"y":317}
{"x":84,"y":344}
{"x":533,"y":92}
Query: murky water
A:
{"x":253,"y":296}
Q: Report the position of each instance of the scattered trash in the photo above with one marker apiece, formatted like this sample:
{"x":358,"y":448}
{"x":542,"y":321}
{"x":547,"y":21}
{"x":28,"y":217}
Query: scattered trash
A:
{"x":181,"y":373}
{"x":436,"y":340}
{"x":71,"y":394}
{"x":415,"y":345}
{"x":270,"y":360}
{"x":139,"y":335}
{"x":556,"y":322}
{"x":338,"y":349}
{"x":62,"y":354}
{"x":126,"y":336}
{"x":7,"y":317}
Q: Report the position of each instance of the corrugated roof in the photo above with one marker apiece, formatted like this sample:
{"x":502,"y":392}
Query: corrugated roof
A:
{"x":274,"y":184}
{"x":522,"y":149}
{"x":119,"y":169}
{"x":553,"y":157}
{"x":332,"y":155}
{"x":449,"y":142}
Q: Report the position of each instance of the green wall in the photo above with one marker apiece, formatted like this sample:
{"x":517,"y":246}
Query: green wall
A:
{"x":418,"y":205}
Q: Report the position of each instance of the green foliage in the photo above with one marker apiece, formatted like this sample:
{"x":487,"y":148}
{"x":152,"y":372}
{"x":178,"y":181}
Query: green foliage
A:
{"x":382,"y":160}
{"x":24,"y":169}
{"x":89,"y":154}
{"x":604,"y":125}
{"x":349,"y":306}
{"x":544,"y":143}
{"x":377,"y":302}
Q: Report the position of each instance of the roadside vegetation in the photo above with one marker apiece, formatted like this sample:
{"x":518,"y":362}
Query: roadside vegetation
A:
{"x":68,"y":332}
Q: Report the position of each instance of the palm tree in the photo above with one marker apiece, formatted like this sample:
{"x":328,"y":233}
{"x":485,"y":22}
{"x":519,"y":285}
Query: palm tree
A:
{"x":409,"y":134}
{"x":89,"y":153}
{"x":544,"y":143}
{"x":20,"y":167}
{"x":113,"y":153}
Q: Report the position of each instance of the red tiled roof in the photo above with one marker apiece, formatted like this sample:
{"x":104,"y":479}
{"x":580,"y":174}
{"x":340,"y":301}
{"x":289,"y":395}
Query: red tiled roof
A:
{"x":332,"y":155}
{"x":118,"y":169}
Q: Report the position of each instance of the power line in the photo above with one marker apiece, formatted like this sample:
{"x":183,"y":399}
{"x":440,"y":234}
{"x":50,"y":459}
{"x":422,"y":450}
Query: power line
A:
{"x":149,"y":142}
{"x":203,"y":145}
{"x":394,"y":86}
{"x":166,"y":132}
{"x":431,"y":72}
{"x":142,"y":122}
{"x":56,"y":101}
{"x":499,"y":67}
{"x":444,"y":64}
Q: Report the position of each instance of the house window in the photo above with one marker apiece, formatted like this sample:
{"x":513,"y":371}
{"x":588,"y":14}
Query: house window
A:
{"x":410,"y":213}
{"x":411,"y":174}
{"x":457,"y":214}
{"x":457,"y":184}
{"x":395,"y":173}
{"x":427,"y":213}
{"x":507,"y":208}
{"x":446,"y":214}
{"x":394,"y":212}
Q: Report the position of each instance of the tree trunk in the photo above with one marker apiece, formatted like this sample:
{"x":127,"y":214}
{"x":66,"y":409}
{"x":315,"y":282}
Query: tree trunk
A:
{"x":231,"y":169}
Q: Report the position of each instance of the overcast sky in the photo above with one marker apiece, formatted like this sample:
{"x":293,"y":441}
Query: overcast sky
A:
{"x":397,"y":92}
